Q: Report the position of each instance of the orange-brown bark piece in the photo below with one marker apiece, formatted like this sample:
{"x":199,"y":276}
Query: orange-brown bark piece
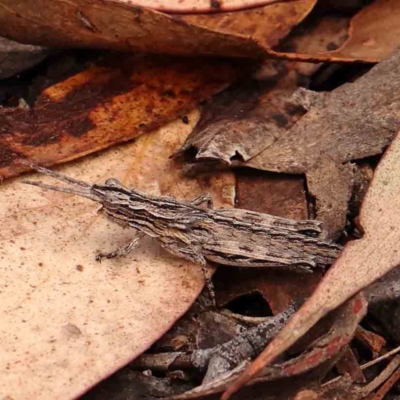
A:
{"x":112,"y":102}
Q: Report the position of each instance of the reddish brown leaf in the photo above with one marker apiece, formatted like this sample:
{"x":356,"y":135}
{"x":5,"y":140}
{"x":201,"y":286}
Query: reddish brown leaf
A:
{"x":361,"y":263}
{"x":112,"y":102}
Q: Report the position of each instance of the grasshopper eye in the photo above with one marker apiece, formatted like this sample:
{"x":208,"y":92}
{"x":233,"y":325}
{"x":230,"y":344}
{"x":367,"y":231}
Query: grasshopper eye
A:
{"x":113,"y":182}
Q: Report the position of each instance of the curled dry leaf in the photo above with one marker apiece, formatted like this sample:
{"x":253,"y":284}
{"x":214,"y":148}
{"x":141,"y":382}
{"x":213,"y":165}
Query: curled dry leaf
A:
{"x":69,"y":321}
{"x":373,"y":34}
{"x":361,"y":263}
{"x":242,"y":122}
{"x":111,"y":102}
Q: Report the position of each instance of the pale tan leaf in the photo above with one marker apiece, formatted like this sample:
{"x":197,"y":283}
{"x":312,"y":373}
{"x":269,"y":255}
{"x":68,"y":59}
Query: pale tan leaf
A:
{"x":202,"y":6}
{"x":361,"y":263}
{"x":68,"y":321}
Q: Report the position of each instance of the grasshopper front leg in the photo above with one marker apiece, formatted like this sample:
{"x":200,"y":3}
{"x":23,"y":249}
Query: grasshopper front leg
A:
{"x":121,"y":252}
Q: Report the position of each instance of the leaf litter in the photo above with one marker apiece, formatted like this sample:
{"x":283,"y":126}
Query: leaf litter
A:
{"x":329,"y":185}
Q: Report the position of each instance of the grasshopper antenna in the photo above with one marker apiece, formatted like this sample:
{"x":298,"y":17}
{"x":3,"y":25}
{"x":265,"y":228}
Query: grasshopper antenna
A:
{"x":76,"y":186}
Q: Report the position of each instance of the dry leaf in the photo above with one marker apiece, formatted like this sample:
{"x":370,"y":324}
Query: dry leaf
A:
{"x":374,"y":33}
{"x":111,"y":102}
{"x":114,"y":25}
{"x":120,"y":25}
{"x":242,"y":121}
{"x":69,"y":321}
{"x":281,"y":19}
{"x":201,"y":6}
{"x":361,"y":263}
